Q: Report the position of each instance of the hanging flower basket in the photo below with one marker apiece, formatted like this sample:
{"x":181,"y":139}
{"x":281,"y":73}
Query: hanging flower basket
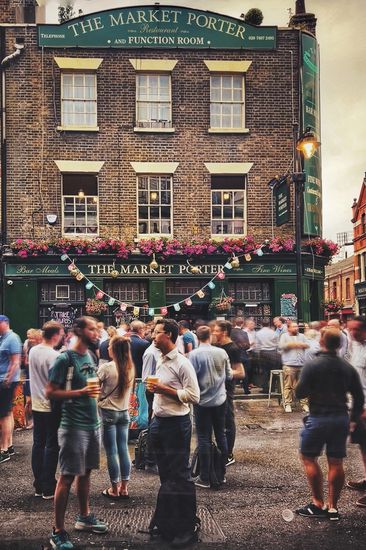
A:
{"x":95,"y":307}
{"x":332,"y":306}
{"x":221,"y":304}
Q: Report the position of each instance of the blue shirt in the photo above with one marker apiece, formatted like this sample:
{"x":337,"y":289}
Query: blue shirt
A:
{"x":212,"y":366}
{"x":188,"y":338}
{"x":10,"y":344}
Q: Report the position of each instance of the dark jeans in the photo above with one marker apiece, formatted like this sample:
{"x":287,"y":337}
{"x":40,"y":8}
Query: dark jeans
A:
{"x":170,"y":439}
{"x":44,"y":451}
{"x":208,"y":418}
{"x":149,"y":453}
{"x":230,"y":427}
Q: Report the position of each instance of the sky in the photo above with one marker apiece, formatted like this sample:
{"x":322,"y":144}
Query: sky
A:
{"x":342,"y":38}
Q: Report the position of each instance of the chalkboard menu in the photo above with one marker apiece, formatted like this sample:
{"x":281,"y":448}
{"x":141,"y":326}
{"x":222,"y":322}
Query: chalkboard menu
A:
{"x":64,"y":314}
{"x":288,"y":306}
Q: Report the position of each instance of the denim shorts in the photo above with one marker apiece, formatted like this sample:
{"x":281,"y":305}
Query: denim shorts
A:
{"x":79,"y":451}
{"x":329,"y":431}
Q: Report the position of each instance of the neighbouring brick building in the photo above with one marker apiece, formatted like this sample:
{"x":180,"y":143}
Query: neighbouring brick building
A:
{"x":359,"y":244}
{"x":340,"y":285}
{"x":155,"y":122}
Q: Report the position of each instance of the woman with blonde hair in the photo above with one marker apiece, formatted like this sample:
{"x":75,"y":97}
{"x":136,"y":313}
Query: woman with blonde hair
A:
{"x":117,"y":380}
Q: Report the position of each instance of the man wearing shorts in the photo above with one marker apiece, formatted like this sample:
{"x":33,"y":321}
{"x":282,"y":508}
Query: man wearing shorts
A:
{"x":79,"y":432}
{"x":326,"y":381}
{"x":10,"y":355}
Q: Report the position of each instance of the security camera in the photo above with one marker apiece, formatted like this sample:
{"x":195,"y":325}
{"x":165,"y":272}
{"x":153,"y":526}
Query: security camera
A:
{"x":51,"y":219}
{"x":10,"y":282}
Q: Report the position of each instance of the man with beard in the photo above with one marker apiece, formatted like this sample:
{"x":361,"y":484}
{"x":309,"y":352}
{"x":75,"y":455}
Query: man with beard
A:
{"x":79,"y":433}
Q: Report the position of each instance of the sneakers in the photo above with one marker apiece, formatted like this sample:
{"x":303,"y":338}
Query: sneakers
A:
{"x":230,"y":460}
{"x":200,"y":483}
{"x":61,"y":541}
{"x":4,"y":456}
{"x":361,"y":502}
{"x":288,"y":408}
{"x":357,"y":485}
{"x":47,"y":496}
{"x":90,"y":523}
{"x":11,"y":450}
{"x":333,"y":514}
{"x":312,"y":511}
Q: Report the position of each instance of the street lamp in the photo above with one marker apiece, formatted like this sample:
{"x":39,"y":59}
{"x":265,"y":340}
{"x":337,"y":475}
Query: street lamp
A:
{"x":304,"y":147}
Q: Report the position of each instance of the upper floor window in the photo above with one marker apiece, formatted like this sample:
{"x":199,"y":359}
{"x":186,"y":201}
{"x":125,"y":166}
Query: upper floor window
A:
{"x":348,"y":288}
{"x":227,"y":101}
{"x":154,"y":204}
{"x":79,"y":100}
{"x":363,"y":223}
{"x":228,"y":205}
{"x":334,"y":290}
{"x":80,"y":204}
{"x":153,"y":101}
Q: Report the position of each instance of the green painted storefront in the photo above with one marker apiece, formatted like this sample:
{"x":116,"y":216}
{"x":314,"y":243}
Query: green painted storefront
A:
{"x":37,"y":289}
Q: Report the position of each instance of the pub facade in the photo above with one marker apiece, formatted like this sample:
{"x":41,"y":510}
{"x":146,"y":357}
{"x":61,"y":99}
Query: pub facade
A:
{"x":139,"y":146}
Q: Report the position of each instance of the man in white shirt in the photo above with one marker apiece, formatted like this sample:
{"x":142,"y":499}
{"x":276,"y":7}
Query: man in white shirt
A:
{"x":357,"y":358}
{"x":45,"y":445}
{"x":170,"y":429}
{"x":293,"y":345}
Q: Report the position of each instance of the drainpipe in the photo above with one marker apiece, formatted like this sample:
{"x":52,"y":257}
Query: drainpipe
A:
{"x":19,"y":47}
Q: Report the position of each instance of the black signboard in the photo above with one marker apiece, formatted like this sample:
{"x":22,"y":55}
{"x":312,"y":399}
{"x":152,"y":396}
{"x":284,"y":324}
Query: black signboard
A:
{"x":288,"y":306}
{"x":64,"y":314}
{"x":282,"y":203}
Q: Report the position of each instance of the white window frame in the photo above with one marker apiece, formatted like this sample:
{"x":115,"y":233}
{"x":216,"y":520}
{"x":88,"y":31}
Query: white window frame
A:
{"x":59,"y":295}
{"x":152,"y":123}
{"x":222,"y":102}
{"x":95,"y":198}
{"x":222,"y":219}
{"x":159,"y":205}
{"x":74,"y":125}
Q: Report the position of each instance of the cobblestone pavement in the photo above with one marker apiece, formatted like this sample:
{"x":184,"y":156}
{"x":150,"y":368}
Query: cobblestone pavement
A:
{"x":246,"y":513}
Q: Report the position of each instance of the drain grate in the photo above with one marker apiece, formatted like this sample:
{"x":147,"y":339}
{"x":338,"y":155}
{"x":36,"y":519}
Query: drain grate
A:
{"x":127,"y":524}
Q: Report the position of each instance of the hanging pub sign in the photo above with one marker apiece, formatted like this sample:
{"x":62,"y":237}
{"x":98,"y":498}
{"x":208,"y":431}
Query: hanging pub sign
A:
{"x":282,"y":203}
{"x":156,"y":27}
{"x":311,"y":118}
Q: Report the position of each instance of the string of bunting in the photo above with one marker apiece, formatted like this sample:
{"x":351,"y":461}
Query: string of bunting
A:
{"x":232,"y":262}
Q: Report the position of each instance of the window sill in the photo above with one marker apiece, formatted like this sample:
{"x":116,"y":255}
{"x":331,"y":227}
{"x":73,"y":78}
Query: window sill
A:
{"x":81,"y":236}
{"x":78,"y":128}
{"x":144,"y":236}
{"x":228,"y":130}
{"x":137,"y":129}
{"x":221,"y":236}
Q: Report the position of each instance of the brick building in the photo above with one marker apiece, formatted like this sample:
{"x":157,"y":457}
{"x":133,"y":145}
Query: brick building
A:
{"x":339,"y":285}
{"x":154,"y":122}
{"x":359,"y":243}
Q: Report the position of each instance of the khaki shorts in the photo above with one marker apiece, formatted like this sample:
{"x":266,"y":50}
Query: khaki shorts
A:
{"x":79,"y":451}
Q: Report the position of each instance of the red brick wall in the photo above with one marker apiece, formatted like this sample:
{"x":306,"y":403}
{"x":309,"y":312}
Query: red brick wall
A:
{"x":34,"y":180}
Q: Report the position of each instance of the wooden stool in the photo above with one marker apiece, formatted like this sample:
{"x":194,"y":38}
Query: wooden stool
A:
{"x":279,"y":373}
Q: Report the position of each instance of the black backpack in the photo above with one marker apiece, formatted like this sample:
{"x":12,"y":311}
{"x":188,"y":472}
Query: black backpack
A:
{"x":176,"y":510}
{"x":140,"y":450}
{"x":217,"y":467}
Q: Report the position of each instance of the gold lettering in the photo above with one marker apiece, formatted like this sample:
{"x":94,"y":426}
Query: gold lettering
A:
{"x":125,"y":269}
{"x":191,"y":18}
{"x":141,"y":16}
{"x":130,"y":18}
{"x":91,"y":269}
{"x":115,"y":22}
{"x":73,"y":28}
{"x":86,"y":26}
{"x":175,"y":15}
{"x":153,"y":16}
{"x":212,"y":23}
{"x":165,"y":16}
{"x":240,"y":32}
{"x":98,"y":23}
{"x":230,"y":28}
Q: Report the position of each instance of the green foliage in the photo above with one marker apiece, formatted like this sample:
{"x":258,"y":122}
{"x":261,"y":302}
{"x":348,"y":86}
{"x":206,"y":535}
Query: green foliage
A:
{"x":253,"y":17}
{"x":65,"y":13}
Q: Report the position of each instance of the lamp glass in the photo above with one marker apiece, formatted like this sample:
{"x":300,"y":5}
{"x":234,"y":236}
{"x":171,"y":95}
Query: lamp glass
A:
{"x":81,"y":194}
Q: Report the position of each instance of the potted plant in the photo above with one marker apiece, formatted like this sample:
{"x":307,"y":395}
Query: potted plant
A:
{"x":222,"y":303}
{"x":95,"y":307}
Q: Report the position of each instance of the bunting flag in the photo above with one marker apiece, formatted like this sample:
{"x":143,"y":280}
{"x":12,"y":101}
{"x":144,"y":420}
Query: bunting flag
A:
{"x":100,"y":294}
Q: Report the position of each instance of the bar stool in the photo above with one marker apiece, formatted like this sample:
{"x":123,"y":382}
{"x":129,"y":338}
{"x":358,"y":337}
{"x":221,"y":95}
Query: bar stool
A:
{"x":279,"y":373}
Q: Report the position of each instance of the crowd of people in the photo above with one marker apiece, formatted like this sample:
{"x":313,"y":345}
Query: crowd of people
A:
{"x":79,"y":394}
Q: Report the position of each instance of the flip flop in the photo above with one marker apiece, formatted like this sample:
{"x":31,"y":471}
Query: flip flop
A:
{"x":107,"y":494}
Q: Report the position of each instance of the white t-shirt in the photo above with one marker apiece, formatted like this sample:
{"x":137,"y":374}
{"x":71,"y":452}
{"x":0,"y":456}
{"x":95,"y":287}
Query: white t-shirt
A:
{"x":41,"y":359}
{"x":108,"y":376}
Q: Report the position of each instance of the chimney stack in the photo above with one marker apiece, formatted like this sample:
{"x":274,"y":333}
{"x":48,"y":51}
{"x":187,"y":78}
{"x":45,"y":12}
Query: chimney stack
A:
{"x":303,"y":20}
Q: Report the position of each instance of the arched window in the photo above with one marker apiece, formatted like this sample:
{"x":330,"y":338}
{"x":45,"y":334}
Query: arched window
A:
{"x":363,"y":223}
